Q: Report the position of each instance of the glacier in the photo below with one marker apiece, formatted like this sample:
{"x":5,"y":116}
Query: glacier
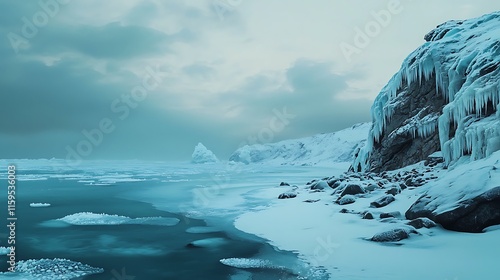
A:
{"x":320,"y":149}
{"x":464,"y":58}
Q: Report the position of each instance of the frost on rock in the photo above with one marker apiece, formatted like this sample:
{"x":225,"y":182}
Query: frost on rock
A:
{"x":51,"y":269}
{"x":464,"y":58}
{"x":203,"y":155}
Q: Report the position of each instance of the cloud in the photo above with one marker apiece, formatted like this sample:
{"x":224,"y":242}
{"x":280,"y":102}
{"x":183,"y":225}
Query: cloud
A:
{"x":223,"y":78}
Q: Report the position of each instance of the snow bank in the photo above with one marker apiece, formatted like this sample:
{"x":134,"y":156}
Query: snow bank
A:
{"x":203,"y":155}
{"x":88,"y":218}
{"x":321,"y":149}
{"x":464,"y":58}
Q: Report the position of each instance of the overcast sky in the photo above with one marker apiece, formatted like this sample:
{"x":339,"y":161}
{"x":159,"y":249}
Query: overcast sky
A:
{"x":143,"y":79}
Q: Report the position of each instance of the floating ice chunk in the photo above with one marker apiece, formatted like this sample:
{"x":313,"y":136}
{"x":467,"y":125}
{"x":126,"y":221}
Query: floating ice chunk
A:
{"x":247,"y":263}
{"x":4,"y":250}
{"x":50,"y":269}
{"x":89,"y":218}
{"x":208,"y":242}
{"x":39,"y":205}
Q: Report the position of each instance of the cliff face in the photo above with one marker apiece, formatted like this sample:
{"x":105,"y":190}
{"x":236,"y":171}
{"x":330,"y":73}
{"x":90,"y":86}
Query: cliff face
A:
{"x":444,"y":98}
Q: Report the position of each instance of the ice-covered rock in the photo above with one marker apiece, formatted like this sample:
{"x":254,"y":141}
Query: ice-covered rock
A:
{"x":383,"y":201}
{"x":203,"y":155}
{"x":321,"y":149}
{"x":466,"y":198}
{"x":347,"y":199}
{"x":393,"y":235}
{"x":287,"y":195}
{"x":445,"y":97}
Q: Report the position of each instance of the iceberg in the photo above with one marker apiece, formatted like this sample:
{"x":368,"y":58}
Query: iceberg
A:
{"x":203,"y":155}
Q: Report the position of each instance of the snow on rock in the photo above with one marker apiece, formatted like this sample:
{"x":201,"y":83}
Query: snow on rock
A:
{"x":321,"y":149}
{"x":467,"y":198}
{"x":51,"y":269}
{"x":457,"y":73}
{"x":89,"y":218}
{"x":203,"y":155}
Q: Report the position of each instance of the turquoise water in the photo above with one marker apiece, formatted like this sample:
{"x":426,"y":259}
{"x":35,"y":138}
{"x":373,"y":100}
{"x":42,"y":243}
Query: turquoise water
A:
{"x":123,"y":251}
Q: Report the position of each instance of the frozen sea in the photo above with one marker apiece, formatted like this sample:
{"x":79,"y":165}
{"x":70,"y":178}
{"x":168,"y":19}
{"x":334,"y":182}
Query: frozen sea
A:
{"x":150,"y":220}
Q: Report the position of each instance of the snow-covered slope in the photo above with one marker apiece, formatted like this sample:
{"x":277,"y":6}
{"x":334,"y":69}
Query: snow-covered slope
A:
{"x":463,"y":57}
{"x":321,"y":149}
{"x":203,"y":155}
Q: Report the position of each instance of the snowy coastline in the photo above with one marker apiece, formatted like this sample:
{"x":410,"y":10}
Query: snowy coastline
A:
{"x":315,"y":227}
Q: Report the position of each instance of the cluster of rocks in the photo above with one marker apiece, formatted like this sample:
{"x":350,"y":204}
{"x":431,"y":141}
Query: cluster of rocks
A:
{"x":351,"y":186}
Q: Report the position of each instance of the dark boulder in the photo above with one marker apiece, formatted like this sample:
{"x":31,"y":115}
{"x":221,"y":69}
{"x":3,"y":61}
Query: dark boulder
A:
{"x":352,"y":189}
{"x":419,"y":223}
{"x":319,"y":185}
{"x":472,"y":215}
{"x":368,"y":216}
{"x":395,"y":214}
{"x":347,"y":199}
{"x":383,"y":201}
{"x":392,"y":235}
{"x":287,"y":195}
{"x":283,"y":184}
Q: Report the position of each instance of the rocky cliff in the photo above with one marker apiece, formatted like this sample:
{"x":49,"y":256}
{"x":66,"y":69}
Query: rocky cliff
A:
{"x":444,"y":98}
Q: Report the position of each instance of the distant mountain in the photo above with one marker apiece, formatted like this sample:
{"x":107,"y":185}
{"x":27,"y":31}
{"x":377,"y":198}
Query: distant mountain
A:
{"x":321,"y":149}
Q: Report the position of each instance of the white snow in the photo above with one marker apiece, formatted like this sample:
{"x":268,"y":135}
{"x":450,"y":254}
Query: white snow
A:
{"x":466,"y":65}
{"x":321,"y":149}
{"x":89,"y":218}
{"x":203,"y":155}
{"x":464,"y":181}
{"x":337,"y":242}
